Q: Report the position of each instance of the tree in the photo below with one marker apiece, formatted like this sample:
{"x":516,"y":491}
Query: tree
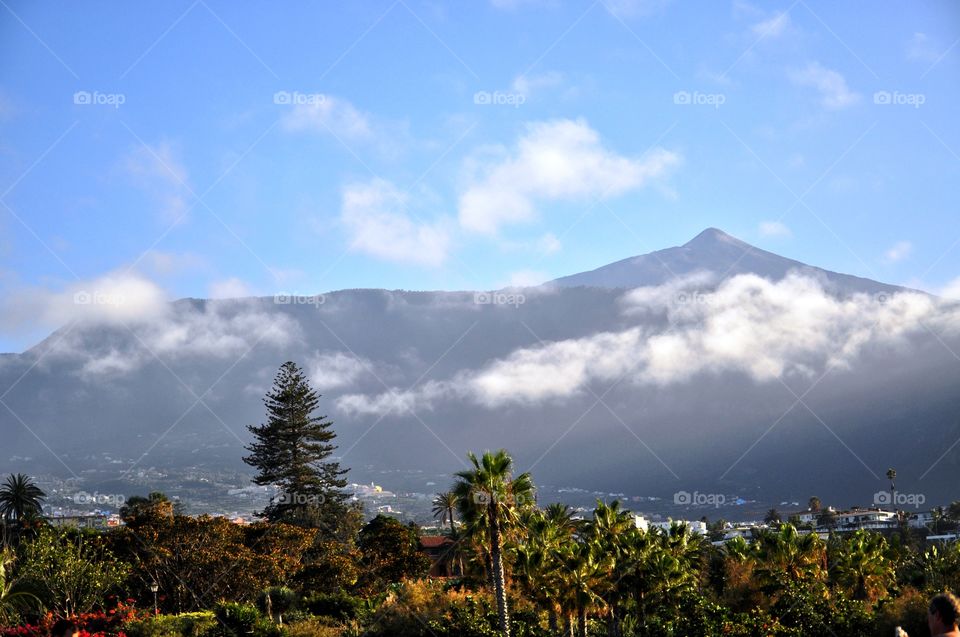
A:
{"x":772,"y":517}
{"x":954,"y":511}
{"x":814,"y":504}
{"x":291,"y":451}
{"x":71,"y":572}
{"x":20,"y":500}
{"x":139,"y":510}
{"x":892,"y":477}
{"x":827,"y":519}
{"x":14,"y":596}
{"x":859,"y":564}
{"x":389,"y":553}
{"x":489,"y":495}
{"x":444,"y":504}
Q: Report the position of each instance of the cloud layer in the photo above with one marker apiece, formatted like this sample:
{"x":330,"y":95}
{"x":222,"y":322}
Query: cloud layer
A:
{"x":748,"y":325}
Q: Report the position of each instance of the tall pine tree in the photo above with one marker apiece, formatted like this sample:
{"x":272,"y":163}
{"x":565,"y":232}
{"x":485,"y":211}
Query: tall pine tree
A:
{"x":291,"y":451}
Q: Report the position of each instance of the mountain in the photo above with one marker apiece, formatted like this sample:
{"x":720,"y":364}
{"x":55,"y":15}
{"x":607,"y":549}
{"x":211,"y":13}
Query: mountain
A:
{"x":713,"y":367}
{"x":712,"y":251}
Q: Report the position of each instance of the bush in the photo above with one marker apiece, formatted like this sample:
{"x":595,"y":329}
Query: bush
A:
{"x":908,"y":610}
{"x":240,"y":620}
{"x":315,"y":627}
{"x":276,"y":601}
{"x":184,"y":625}
{"x":341,"y":606}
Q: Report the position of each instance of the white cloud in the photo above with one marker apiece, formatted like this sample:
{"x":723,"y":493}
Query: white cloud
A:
{"x":526,"y":85}
{"x":748,"y":325}
{"x":774,"y":229}
{"x":232,"y":288}
{"x":554,"y":160}
{"x":549,"y":244}
{"x":329,"y":115}
{"x":898,"y":252}
{"x":143,"y":321}
{"x":921,"y":48}
{"x":334,"y":370}
{"x":224,"y":330}
{"x":772,"y":27}
{"x":158,"y":171}
{"x":834,"y":93}
{"x":115,"y":298}
{"x":951,"y":290}
{"x":376,"y":218}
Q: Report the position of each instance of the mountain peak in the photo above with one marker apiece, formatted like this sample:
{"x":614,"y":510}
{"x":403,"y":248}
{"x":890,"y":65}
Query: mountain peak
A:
{"x":711,"y":236}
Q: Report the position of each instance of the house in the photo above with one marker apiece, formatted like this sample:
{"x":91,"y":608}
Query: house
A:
{"x":920,"y":519}
{"x":440,"y":549}
{"x":866,"y":519}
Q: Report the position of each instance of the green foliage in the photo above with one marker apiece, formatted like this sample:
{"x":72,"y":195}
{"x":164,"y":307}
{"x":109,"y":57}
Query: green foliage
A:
{"x":71,"y":572}
{"x":339,"y":605}
{"x":275,"y":601}
{"x":183,"y":625}
{"x":292,"y":451}
{"x":389,"y":552}
{"x":240,"y":620}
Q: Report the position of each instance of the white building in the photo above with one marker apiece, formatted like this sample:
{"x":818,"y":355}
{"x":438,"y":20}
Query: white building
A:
{"x":920,"y":519}
{"x":867,"y":519}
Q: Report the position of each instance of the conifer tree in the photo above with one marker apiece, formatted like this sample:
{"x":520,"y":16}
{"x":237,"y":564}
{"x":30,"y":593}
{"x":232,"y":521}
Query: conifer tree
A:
{"x":292,"y":450}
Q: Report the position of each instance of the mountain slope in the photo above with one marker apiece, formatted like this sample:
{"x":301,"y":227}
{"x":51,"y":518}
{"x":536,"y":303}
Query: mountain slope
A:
{"x":719,"y":253}
{"x":586,"y":387}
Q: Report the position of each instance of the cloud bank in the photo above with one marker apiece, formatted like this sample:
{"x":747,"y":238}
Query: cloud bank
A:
{"x":747,"y":325}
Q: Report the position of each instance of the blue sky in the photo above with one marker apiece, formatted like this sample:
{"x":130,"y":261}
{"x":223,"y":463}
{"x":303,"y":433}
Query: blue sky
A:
{"x":219,"y":148}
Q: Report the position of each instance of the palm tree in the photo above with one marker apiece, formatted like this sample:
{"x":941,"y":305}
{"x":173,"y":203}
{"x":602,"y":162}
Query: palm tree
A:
{"x":861,"y":565}
{"x":444,"y":505}
{"x":490,"y":495}
{"x":20,"y":500}
{"x":13,"y":596}
{"x":586,"y":576}
{"x":892,"y":476}
{"x":20,"y":497}
{"x":611,"y":532}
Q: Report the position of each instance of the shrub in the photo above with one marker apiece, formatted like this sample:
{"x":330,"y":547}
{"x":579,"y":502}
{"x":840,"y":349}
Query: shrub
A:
{"x":275,"y":601}
{"x":908,"y":610}
{"x":314,"y":627}
{"x":340,"y":605}
{"x":240,"y":620}
{"x":183,"y":625}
